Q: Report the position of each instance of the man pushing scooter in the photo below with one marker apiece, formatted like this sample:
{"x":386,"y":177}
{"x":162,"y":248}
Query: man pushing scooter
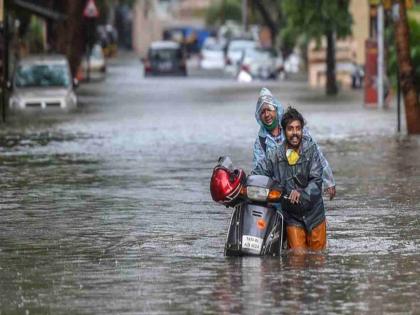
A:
{"x":297,"y":166}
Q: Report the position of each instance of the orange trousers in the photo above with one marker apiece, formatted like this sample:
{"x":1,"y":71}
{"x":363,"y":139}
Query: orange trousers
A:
{"x":299,"y":238}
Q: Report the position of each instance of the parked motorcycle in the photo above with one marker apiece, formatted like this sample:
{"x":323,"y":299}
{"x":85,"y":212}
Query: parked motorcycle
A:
{"x":257,"y":224}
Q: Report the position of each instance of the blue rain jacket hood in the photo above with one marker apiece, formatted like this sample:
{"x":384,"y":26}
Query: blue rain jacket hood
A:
{"x":266,"y":97}
{"x":271,"y":143}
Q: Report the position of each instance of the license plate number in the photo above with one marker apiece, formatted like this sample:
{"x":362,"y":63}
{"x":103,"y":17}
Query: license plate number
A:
{"x":165,"y":66}
{"x":252,"y":242}
{"x":264,"y":73}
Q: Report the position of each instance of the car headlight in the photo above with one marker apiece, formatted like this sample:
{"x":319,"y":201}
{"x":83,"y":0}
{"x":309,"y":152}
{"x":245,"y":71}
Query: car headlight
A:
{"x":71,"y":98}
{"x":15,"y":102}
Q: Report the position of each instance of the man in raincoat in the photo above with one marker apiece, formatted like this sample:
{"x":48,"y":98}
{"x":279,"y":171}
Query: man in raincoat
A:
{"x":296,"y":166}
{"x":268,"y":114}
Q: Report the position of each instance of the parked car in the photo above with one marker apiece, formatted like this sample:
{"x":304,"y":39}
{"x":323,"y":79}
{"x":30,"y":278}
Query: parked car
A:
{"x":165,"y":57}
{"x":212,"y":54}
{"x":261,"y":63}
{"x":43,"y":82}
{"x":292,"y":63}
{"x":234,"y":53}
{"x":96,"y":64}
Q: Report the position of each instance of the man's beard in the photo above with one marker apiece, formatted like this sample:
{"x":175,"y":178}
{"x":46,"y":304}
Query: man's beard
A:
{"x":290,"y":144}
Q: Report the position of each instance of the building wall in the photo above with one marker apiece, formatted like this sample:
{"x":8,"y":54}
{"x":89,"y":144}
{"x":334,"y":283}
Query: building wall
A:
{"x":348,"y":51}
{"x":360,"y":29}
{"x":147,"y":26}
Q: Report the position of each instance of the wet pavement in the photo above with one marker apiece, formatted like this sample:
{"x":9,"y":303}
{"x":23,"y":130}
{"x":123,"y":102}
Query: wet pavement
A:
{"x":107,"y":210}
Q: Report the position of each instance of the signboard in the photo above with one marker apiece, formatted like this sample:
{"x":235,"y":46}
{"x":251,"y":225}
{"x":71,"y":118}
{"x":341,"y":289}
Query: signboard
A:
{"x":371,"y":72}
{"x":1,"y":11}
{"x":91,"y":10}
{"x":409,"y":4}
{"x":388,"y":3}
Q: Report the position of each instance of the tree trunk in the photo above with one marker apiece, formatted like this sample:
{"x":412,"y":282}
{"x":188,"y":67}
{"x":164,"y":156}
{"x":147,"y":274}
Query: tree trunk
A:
{"x":331,"y":85}
{"x":265,"y":13}
{"x":70,"y":34}
{"x":412,"y":107}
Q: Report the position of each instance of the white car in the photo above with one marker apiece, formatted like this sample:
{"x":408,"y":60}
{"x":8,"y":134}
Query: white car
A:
{"x":212,"y":54}
{"x":292,"y":63}
{"x":262,"y":63}
{"x":43,"y":82}
{"x":234,"y":53}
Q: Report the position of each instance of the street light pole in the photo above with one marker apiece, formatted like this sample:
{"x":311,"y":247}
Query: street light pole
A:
{"x":89,"y":49}
{"x":380,"y":79}
{"x":5,"y":61}
{"x":245,"y":15}
{"x":398,"y":101}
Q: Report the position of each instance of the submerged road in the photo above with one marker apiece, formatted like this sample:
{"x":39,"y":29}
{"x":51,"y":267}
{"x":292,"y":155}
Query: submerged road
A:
{"x":107,"y":210}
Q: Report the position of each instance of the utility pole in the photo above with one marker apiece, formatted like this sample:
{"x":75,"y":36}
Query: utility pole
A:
{"x":91,"y":13}
{"x":245,"y":15}
{"x":223,"y":13}
{"x":5,"y":61}
{"x":380,"y":75}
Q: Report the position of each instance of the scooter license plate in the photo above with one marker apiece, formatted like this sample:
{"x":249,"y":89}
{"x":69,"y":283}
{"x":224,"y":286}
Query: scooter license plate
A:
{"x":252,"y":242}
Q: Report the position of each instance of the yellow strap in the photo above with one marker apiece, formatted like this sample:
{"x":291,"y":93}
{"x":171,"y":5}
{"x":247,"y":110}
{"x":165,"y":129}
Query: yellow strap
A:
{"x":292,"y":156}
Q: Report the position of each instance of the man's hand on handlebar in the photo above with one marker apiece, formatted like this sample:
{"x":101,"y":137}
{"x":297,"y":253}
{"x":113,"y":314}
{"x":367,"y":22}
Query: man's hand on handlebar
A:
{"x":294,"y":196}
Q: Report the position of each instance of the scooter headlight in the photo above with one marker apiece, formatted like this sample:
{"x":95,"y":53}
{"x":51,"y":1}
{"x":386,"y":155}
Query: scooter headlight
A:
{"x":261,"y":194}
{"x":257,"y":193}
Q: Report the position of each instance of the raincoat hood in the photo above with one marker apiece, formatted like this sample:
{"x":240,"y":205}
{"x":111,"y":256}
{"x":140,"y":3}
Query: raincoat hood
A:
{"x":266,"y":97}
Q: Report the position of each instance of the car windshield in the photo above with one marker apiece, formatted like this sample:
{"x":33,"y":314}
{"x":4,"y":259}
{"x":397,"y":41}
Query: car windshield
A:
{"x":241,"y":45}
{"x":165,"y":54}
{"x":97,"y":52}
{"x":56,"y":75}
{"x":261,"y":54}
{"x":213,"y":47}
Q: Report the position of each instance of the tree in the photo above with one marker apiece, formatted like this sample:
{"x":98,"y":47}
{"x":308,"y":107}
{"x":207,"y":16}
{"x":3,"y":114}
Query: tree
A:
{"x":406,"y":71}
{"x":316,"y":19}
{"x":271,"y":15}
{"x":220,"y":12}
{"x":69,"y":35}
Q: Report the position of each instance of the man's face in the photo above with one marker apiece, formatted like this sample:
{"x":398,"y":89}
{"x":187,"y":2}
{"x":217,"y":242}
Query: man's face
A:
{"x":268,"y":113}
{"x":293,"y":133}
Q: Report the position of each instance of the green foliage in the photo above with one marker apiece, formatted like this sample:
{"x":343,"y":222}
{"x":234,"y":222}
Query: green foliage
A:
{"x":414,"y":52}
{"x":130,"y":3}
{"x":288,"y":40}
{"x":222,"y":11}
{"x":316,"y":17}
{"x":35,"y":36}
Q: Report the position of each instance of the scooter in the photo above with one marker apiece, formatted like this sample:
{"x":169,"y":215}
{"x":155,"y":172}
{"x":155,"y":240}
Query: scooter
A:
{"x":257,"y":224}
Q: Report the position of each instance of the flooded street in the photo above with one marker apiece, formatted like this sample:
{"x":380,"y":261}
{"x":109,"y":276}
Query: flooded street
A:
{"x":107,"y":210}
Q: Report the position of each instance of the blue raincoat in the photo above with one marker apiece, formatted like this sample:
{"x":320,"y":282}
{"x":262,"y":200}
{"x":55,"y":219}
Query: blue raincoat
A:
{"x":272,"y":142}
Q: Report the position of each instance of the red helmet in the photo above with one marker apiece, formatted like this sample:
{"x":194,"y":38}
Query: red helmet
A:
{"x":225,"y":185}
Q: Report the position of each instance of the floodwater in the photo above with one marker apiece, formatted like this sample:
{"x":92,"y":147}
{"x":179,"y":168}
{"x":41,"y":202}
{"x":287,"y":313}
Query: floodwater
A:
{"x":107,"y":210}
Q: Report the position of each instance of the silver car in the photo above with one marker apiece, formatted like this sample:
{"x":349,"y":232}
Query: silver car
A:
{"x":262,"y":63}
{"x":212,"y":55}
{"x":234,"y":53}
{"x":43,"y":82}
